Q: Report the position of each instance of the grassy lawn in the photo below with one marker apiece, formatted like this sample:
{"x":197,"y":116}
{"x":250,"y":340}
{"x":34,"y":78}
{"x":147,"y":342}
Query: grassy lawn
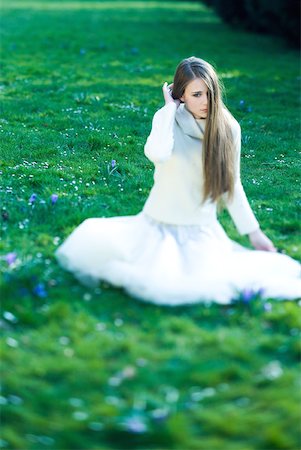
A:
{"x":96,"y":369}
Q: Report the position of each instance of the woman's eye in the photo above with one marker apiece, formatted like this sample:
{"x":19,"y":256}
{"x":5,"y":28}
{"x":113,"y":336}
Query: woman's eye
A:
{"x":196,"y":95}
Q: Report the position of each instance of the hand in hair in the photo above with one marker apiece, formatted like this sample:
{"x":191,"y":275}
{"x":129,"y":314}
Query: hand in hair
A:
{"x":261,"y":242}
{"x":167,"y":91}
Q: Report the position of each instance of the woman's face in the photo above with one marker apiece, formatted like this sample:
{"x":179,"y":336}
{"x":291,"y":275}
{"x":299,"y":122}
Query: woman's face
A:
{"x":195,"y":98}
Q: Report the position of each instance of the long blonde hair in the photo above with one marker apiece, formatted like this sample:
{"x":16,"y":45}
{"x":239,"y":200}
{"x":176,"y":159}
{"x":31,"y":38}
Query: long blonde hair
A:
{"x":218,"y":147}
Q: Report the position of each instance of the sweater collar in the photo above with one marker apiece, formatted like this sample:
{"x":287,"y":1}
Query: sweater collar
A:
{"x":191,"y":126}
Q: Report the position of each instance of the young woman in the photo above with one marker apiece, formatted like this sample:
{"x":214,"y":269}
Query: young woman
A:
{"x":175,"y":251}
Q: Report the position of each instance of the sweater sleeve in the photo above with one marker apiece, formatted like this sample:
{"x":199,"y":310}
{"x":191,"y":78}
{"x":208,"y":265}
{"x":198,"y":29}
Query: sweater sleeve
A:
{"x":160,"y":142}
{"x":239,"y":208}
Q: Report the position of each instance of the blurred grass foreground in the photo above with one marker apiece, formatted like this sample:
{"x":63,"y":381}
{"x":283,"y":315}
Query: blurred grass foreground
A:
{"x":96,"y":369}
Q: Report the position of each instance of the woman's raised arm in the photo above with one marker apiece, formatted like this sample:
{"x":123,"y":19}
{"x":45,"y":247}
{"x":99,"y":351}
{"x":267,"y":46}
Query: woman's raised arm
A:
{"x":160,"y":142}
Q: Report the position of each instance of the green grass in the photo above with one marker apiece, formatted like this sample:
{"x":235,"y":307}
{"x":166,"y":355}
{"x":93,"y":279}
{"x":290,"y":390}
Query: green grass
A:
{"x":96,"y":369}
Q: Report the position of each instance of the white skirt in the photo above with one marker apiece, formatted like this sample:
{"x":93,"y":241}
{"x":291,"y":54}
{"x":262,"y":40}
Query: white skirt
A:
{"x":175,"y":264}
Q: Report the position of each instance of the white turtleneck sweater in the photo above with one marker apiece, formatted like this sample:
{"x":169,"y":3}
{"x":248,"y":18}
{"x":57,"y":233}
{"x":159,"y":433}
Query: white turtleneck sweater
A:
{"x":175,"y":147}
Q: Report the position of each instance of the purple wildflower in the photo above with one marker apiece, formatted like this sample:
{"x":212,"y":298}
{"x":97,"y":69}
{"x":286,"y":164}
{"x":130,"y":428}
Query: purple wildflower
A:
{"x":40,"y":291}
{"x":32,"y":198}
{"x":113,"y":163}
{"x":247,"y":295}
{"x":11,"y":258}
{"x":54,"y":198}
{"x":260,"y":292}
{"x":242,"y":102}
{"x":135,"y":425}
{"x":267,"y":307}
{"x":160,"y":414}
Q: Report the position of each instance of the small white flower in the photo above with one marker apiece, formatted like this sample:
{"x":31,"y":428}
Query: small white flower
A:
{"x":272,"y":370}
{"x":12,"y":342}
{"x":80,"y":415}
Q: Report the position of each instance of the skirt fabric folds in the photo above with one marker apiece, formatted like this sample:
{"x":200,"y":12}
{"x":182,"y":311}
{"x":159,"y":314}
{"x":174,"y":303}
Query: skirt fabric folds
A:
{"x":174,"y":264}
